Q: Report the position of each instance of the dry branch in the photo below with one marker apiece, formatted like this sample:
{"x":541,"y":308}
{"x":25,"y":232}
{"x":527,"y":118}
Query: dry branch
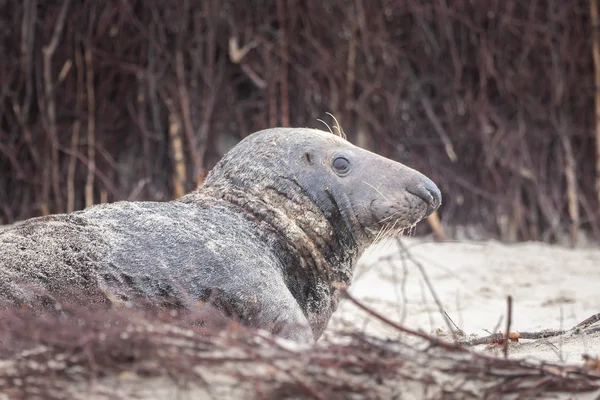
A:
{"x":429,"y":111}
{"x":79,"y":99}
{"x":285,"y":59}
{"x":572,"y":191}
{"x":114,"y":353}
{"x":427,"y":82}
{"x":49,"y":86}
{"x":179,"y":170}
{"x":430,"y":287}
{"x":436,"y":226}
{"x":184,"y":101}
{"x":595,"y":25}
{"x":91,"y":126}
{"x":583,"y":327}
{"x":508,"y":323}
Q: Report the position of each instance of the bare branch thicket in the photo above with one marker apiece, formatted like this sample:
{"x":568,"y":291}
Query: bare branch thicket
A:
{"x":492,"y":100}
{"x":79,"y":352}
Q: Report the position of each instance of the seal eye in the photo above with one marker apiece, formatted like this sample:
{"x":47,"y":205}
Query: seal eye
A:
{"x":341,"y":165}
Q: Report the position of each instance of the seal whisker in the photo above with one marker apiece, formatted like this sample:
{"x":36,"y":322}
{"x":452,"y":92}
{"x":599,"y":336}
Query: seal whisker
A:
{"x":395,"y":232}
{"x":390,"y":232}
{"x":394,"y":228}
{"x":383,"y":232}
{"x":401,"y":231}
{"x":380,"y":233}
{"x":377,"y":190}
{"x":377,"y":235}
{"x":328,"y":127}
{"x":337,"y":125}
{"x":390,"y":216}
{"x":412,"y":230}
{"x":386,"y":231}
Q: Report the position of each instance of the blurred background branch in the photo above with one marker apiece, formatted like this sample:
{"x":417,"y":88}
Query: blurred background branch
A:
{"x":494,"y":100}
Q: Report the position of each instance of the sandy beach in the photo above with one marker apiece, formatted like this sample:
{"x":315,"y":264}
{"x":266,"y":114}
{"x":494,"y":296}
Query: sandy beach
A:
{"x":552,"y":287}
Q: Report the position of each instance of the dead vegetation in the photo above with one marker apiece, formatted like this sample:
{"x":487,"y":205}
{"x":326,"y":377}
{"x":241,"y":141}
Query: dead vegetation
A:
{"x":132,"y":99}
{"x":79,"y":352}
{"x":102,"y":101}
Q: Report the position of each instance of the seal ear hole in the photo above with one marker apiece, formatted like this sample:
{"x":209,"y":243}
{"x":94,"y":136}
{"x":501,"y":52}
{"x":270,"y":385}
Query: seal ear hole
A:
{"x":308,"y":158}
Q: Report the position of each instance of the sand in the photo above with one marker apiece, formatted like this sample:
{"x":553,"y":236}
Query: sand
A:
{"x":552,"y":287}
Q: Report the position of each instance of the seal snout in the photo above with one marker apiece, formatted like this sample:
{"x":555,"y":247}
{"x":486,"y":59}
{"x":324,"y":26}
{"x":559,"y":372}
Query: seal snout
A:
{"x":429,"y":192}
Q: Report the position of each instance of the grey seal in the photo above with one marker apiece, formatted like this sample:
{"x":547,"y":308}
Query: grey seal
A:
{"x":271,"y":236}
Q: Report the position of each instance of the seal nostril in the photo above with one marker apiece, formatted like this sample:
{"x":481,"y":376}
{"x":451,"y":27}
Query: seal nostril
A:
{"x":429,"y":192}
{"x":435,"y":193}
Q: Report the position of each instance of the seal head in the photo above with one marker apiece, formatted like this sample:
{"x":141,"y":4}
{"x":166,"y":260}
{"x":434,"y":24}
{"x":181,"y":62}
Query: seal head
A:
{"x":357,"y":191}
{"x":320,"y":201}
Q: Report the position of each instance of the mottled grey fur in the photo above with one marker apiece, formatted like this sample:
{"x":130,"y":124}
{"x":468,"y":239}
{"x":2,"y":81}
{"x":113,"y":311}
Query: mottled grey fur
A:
{"x":270,"y":237}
